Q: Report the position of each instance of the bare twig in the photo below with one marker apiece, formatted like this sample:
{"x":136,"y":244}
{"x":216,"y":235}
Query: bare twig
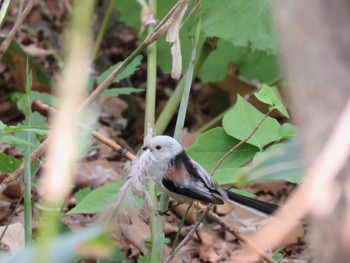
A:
{"x":241,"y":142}
{"x":21,"y":17}
{"x":98,"y":136}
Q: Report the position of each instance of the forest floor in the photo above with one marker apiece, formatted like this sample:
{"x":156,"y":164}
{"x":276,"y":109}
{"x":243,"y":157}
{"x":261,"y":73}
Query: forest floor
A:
{"x":121,"y":119}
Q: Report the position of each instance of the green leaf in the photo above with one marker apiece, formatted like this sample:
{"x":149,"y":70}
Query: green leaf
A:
{"x":249,"y":23}
{"x":268,"y":96}
{"x":252,"y":65}
{"x":20,"y":99}
{"x":40,"y":130}
{"x":212,"y":145}
{"x":280,"y":162}
{"x":8,"y":164}
{"x":288,"y":131}
{"x":80,"y":195}
{"x":120,"y":91}
{"x":19,"y":138}
{"x":128,"y":71}
{"x":96,"y":200}
{"x":13,"y":139}
{"x":44,"y":97}
{"x":241,"y":120}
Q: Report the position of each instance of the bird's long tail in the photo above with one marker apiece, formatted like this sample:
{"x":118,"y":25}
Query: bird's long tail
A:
{"x":247,"y":202}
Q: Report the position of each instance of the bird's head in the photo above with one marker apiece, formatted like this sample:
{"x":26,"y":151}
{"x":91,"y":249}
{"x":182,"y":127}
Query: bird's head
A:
{"x":163,"y":147}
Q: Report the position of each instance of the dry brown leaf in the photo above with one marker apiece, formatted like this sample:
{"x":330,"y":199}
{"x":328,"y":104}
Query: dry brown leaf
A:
{"x":96,"y":173}
{"x":173,"y":37}
{"x":14,"y":237}
{"x":112,"y":109}
{"x":15,"y":189}
{"x":180,"y":210}
{"x":136,"y":232}
{"x":213,"y":247}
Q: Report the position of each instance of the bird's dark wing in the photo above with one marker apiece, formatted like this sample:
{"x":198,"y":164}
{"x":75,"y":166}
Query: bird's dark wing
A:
{"x":196,"y":191}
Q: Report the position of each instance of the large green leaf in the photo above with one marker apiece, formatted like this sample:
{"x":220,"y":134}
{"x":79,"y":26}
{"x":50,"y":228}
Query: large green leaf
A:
{"x":212,"y":145}
{"x":280,"y":162}
{"x":240,"y":22}
{"x":251,"y":64}
{"x":8,"y":164}
{"x":242,"y":119}
{"x":96,"y":200}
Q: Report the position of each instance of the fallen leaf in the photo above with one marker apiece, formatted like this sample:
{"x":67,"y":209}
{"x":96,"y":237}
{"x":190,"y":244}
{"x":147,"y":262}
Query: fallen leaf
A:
{"x":14,"y":237}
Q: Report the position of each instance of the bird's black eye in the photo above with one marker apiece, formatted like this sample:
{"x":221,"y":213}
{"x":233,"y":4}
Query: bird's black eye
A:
{"x":158,"y":147}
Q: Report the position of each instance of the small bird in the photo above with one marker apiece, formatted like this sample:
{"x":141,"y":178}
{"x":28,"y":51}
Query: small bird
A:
{"x":185,"y":180}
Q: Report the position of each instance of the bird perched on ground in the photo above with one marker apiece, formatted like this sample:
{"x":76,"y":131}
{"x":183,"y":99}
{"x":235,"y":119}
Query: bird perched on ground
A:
{"x":185,"y":180}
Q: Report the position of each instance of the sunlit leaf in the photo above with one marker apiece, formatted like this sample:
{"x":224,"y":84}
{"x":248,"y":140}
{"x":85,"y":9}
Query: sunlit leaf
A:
{"x":96,"y":200}
{"x":242,"y":119}
{"x":268,"y":96}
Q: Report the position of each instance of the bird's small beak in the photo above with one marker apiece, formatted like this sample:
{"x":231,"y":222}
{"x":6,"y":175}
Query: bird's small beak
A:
{"x":146,"y":148}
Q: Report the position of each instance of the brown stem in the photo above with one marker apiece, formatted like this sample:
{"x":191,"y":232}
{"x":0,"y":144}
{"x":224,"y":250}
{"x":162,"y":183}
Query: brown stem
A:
{"x":98,"y":136}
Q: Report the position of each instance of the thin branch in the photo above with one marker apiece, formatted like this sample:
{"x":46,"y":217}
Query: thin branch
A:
{"x":241,"y":142}
{"x":188,"y":236}
{"x":182,"y":223}
{"x":98,"y":136}
{"x":21,"y":17}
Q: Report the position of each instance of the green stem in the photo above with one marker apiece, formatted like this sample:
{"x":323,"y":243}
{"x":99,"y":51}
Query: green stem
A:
{"x":102,"y":30}
{"x":27,"y":165}
{"x":157,"y":235}
{"x":182,"y":223}
{"x":184,"y":98}
{"x":151,"y":74}
{"x":174,"y":101}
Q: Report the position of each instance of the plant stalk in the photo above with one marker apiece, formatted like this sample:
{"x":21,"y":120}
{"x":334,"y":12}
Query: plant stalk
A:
{"x":27,"y":165}
{"x":174,"y":101}
{"x":102,"y":30}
